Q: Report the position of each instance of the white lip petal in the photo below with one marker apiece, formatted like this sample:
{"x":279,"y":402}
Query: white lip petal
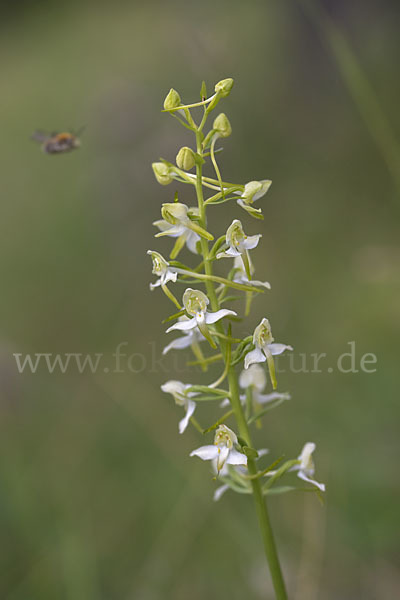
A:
{"x":183,"y":325}
{"x":255,"y":356}
{"x":304,"y":477}
{"x":191,"y":407}
{"x":236,"y":458}
{"x":206,"y":452}
{"x":276,"y":349}
{"x":216,"y":316}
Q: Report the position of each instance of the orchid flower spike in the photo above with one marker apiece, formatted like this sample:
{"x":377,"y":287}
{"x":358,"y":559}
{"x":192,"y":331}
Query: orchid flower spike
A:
{"x":265,"y":349}
{"x":306,"y":467}
{"x":182,"y":398}
{"x":253,"y":190}
{"x":177,"y":215}
{"x":195,"y":303}
{"x":184,"y":235}
{"x":223,"y":449}
{"x":239,"y":244}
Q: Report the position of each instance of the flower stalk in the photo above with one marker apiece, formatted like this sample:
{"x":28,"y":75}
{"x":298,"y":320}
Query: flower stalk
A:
{"x":201,"y":319}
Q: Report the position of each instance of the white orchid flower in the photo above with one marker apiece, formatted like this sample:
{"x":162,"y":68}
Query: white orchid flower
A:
{"x":223,"y":450}
{"x":306,"y":468}
{"x":253,"y":190}
{"x":239,"y":245}
{"x":195,"y":303}
{"x":165,"y":273}
{"x":182,"y":398}
{"x":265,"y":349}
{"x":183,"y":233}
{"x":177,"y":215}
{"x":190,"y":338}
{"x":162,"y":269}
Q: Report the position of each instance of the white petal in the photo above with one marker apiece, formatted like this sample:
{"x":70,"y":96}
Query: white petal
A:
{"x":255,"y":356}
{"x":262,"y":452}
{"x":266,"y":183}
{"x":306,"y":456}
{"x":304,"y":477}
{"x":220,"y":314}
{"x":156,"y":284}
{"x":205,"y":452}
{"x":230,"y":253}
{"x":236,"y":458}
{"x":265,"y":284}
{"x":265,"y":398}
{"x":191,"y":241}
{"x":251,"y":241}
{"x":169,"y":276}
{"x":173,"y":231}
{"x":178,"y":344}
{"x":220,"y":491}
{"x":174,"y":387}
{"x":278,"y":348}
{"x":170,"y":230}
{"x":225,"y":403}
{"x":183,"y":325}
{"x":191,"y":407}
{"x":254,"y":376}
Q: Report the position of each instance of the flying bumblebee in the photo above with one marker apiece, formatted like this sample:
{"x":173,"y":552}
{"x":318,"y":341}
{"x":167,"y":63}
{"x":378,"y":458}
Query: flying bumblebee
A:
{"x":57,"y":143}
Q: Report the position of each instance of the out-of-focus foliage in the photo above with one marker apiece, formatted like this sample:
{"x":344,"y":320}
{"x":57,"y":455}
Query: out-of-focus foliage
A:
{"x":98,"y":498}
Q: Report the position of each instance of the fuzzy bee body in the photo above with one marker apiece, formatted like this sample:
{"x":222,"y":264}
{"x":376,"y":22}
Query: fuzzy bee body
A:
{"x":56,"y":143}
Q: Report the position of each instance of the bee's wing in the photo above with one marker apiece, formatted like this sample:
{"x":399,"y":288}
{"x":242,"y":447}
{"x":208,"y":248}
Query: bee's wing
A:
{"x":39,"y":136}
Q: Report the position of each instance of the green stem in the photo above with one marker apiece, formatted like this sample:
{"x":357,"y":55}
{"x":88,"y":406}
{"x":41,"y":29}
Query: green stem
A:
{"x":261,"y":507}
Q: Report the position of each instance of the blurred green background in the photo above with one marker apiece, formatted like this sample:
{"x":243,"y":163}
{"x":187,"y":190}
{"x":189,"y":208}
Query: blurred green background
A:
{"x":98,"y":497}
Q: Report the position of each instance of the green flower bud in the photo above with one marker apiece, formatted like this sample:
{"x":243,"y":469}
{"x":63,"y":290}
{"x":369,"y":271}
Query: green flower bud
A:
{"x":224,"y":87}
{"x":185,"y":159}
{"x":222,"y":126}
{"x":162,"y":173}
{"x":172,"y":99}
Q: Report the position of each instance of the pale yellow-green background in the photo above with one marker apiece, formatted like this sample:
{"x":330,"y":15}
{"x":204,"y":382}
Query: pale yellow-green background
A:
{"x":98,"y":498}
